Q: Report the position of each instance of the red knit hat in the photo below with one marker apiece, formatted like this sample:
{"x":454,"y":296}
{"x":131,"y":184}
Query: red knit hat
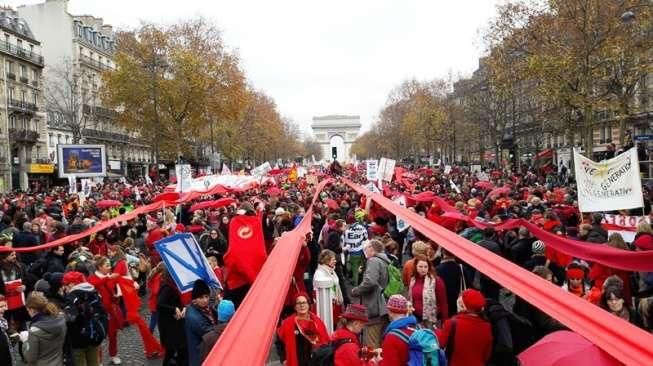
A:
{"x":73,"y":277}
{"x":397,"y":304}
{"x":473,"y":300}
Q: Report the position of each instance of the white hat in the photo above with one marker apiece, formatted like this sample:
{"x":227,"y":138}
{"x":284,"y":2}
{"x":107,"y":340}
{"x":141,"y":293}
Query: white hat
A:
{"x":279,"y":211}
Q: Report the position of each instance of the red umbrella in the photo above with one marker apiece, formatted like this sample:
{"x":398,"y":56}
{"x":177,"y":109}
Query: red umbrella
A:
{"x":482,"y":184}
{"x":332,"y":204}
{"x":565,"y":348}
{"x":274,"y":191}
{"x":167,"y":196}
{"x":499,"y":191}
{"x":212,"y":204}
{"x":108,"y":203}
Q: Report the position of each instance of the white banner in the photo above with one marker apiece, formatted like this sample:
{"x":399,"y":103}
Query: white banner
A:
{"x":608,"y":185}
{"x":372,"y":170}
{"x":183,"y":174}
{"x":402,"y":225}
{"x":261,"y":170}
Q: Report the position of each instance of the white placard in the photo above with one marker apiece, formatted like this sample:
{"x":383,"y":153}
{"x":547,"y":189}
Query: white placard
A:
{"x":608,"y":185}
{"x":387,"y":169}
{"x":447,"y":169}
{"x":372,"y":170}
{"x":183,"y":174}
{"x":72,"y":184}
{"x":402,"y":225}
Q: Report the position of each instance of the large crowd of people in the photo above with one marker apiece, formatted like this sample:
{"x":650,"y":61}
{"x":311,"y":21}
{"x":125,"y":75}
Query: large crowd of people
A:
{"x":391,"y":284}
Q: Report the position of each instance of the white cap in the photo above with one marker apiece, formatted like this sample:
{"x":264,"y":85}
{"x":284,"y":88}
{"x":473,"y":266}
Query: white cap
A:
{"x":279,"y":211}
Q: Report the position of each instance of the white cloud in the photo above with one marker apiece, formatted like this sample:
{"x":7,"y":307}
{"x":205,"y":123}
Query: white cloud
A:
{"x":327,"y":57}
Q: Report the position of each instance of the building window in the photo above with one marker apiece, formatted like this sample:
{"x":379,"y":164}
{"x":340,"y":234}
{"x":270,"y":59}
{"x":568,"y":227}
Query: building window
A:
{"x":19,"y":43}
{"x":10,"y":93}
{"x":7,"y":38}
{"x":22,"y":96}
{"x":12,"y":121}
{"x":31,"y":49}
{"x":10,"y":67}
{"x":34,"y":98}
{"x":50,"y":141}
{"x":23,"y":71}
{"x":605,"y":134}
{"x":35,"y":75}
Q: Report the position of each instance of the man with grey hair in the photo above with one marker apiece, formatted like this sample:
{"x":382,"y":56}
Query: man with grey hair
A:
{"x":370,"y":291}
{"x":26,"y":239}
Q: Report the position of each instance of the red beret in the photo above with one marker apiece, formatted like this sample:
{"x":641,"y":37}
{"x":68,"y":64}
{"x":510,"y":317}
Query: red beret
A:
{"x":644,"y":242}
{"x":473,"y":300}
{"x":73,"y":277}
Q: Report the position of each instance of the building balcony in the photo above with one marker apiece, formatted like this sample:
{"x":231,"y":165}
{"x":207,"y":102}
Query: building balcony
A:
{"x":23,"y":136}
{"x":99,"y":111}
{"x":96,"y":64}
{"x":22,"y":53}
{"x":21,"y":106}
{"x":106,"y":136}
{"x":24,"y":80}
{"x":11,"y":76}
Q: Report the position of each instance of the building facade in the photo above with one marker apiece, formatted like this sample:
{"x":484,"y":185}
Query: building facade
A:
{"x":23,"y":131}
{"x":78,"y":49}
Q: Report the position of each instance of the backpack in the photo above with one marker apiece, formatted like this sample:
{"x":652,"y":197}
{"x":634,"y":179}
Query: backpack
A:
{"x":324,"y":354}
{"x":423,"y":347}
{"x":92,"y":320}
{"x":395,"y":282}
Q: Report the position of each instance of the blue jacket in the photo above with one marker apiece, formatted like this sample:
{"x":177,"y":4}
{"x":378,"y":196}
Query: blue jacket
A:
{"x":197,"y":324}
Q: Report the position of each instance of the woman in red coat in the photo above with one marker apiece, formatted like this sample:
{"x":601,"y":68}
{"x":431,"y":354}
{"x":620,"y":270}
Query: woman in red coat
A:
{"x":346,"y":338}
{"x":299,"y":334}
{"x":472,"y":342}
{"x":128,"y":290}
{"x":428,"y":293}
{"x":104,"y":283}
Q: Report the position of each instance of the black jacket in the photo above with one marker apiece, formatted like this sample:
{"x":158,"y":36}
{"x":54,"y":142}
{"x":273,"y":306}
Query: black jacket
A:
{"x":172,"y":331}
{"x":82,"y":303}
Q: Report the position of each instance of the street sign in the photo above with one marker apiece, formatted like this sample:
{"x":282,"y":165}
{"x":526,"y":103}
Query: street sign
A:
{"x":644,"y":138}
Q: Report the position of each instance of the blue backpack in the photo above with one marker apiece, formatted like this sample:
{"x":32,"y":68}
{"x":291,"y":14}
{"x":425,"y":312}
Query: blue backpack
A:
{"x":423,"y":347}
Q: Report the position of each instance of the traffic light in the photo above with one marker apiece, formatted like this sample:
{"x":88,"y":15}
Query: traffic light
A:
{"x":334,"y":152}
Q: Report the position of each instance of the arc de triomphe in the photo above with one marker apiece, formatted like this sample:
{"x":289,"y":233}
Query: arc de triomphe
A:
{"x":336,"y":134}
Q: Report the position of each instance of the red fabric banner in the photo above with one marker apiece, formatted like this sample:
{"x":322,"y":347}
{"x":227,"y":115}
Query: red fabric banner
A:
{"x":267,"y":293}
{"x":246,"y":253}
{"x":622,"y":340}
{"x":640,"y":261}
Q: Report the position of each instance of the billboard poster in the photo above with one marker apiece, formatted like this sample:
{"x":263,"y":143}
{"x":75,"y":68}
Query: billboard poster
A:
{"x":81,"y":161}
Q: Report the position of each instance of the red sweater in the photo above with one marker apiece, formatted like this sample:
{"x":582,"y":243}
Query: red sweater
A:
{"x":473,"y":340}
{"x":440,"y":297}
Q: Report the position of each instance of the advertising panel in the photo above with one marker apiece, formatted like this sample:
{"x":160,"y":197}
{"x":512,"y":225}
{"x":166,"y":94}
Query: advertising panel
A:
{"x":82,"y":161}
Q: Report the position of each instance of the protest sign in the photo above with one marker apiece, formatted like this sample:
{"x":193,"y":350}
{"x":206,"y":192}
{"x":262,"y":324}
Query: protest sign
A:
{"x":372,"y":170}
{"x":608,"y":185}
{"x":185,"y":261}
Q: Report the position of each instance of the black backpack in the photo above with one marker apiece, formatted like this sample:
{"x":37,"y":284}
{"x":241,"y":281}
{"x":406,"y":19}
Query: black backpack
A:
{"x":324,"y":355}
{"x":90,"y":322}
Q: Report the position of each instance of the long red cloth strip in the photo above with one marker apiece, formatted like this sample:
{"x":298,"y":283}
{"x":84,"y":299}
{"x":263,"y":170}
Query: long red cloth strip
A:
{"x":249,"y":334}
{"x":640,"y":261}
{"x":624,"y":341}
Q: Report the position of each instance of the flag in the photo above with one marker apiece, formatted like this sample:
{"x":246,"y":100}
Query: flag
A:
{"x":292,"y":175}
{"x":225,"y":170}
{"x":246,"y":254}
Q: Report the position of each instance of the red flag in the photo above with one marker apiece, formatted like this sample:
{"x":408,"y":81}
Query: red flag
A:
{"x":246,"y":253}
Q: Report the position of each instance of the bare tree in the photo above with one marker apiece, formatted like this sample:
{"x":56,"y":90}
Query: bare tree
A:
{"x":69,"y":98}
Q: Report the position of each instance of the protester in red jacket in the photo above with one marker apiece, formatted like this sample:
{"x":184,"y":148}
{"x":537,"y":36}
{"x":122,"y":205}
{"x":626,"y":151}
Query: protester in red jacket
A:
{"x":300,"y":333}
{"x":471,"y":344}
{"x":99,"y":245}
{"x":346,"y":338}
{"x":395,"y":349}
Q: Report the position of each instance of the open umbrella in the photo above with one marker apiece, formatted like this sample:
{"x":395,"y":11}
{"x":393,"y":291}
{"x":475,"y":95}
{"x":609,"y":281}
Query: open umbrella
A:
{"x":108,"y":203}
{"x":499,"y":191}
{"x":332,"y":204}
{"x":274,"y":191}
{"x":212,"y":204}
{"x":166,"y":196}
{"x":482,"y":184}
{"x":565,"y":348}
